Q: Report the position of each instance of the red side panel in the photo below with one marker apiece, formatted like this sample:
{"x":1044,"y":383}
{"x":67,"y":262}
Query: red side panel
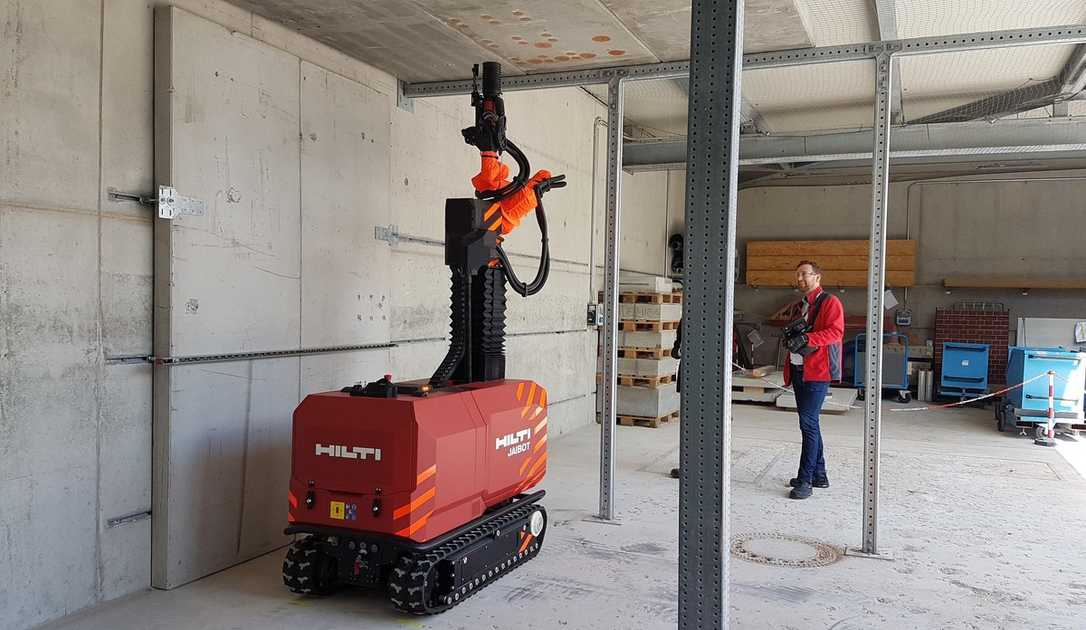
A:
{"x":416,"y":467}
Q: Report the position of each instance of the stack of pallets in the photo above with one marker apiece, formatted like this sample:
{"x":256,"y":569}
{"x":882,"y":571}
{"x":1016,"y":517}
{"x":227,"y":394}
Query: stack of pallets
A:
{"x":649,"y":318}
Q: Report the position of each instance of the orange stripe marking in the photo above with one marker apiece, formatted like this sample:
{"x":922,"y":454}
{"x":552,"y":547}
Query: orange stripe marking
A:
{"x":524,"y":545}
{"x":542,"y":423}
{"x":528,"y":405}
{"x":426,"y":474}
{"x":539,"y":462}
{"x":533,"y":480}
{"x":520,"y":390}
{"x":539,"y":443}
{"x":543,"y":399}
{"x":414,"y":505}
{"x":524,"y":466}
{"x":535,"y":414}
{"x":494,"y":225}
{"x":490,"y":211}
{"x":416,"y":526}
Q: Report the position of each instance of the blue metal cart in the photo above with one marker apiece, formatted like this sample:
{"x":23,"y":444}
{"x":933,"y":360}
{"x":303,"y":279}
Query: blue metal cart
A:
{"x":895,"y":364}
{"x":1028,"y":405}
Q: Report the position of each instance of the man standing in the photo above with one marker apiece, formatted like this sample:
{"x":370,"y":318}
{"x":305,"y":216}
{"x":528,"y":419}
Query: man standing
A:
{"x":814,"y":360}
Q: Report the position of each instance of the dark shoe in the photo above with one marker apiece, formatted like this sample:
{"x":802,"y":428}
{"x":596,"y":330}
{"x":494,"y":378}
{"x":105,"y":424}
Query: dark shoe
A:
{"x":675,"y":474}
{"x":802,"y":491}
{"x":817,"y":483}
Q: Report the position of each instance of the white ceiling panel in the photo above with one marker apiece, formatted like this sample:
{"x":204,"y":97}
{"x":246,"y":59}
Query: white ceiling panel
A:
{"x":822,"y":97}
{"x":836,"y":22}
{"x":931,"y":18}
{"x":658,"y":107}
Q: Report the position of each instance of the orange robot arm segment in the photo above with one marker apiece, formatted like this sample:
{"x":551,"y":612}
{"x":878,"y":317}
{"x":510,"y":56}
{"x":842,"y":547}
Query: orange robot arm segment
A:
{"x":494,"y":175}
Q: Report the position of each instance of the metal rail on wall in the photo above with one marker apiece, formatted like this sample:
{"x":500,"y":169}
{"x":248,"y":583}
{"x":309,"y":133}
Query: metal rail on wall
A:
{"x":715,"y":69}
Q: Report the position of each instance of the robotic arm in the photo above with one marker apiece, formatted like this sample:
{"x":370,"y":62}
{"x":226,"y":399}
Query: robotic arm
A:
{"x":513,"y":199}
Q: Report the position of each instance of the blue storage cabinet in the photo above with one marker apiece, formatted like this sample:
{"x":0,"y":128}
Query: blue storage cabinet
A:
{"x":964,"y":369}
{"x":1032,"y":400}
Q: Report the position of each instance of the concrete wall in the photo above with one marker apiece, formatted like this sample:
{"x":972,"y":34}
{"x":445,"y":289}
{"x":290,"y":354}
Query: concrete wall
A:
{"x":1029,"y":227}
{"x":76,"y":277}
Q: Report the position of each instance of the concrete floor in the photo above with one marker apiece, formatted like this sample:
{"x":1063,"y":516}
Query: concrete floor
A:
{"x":985,"y":531}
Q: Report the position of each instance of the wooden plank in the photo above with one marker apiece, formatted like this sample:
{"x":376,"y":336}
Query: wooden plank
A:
{"x":647,"y":326}
{"x":644,"y":353}
{"x":651,"y":382}
{"x":814,"y":249}
{"x":830,"y":279}
{"x":1010,"y":282}
{"x":828,"y":263}
{"x":631,"y":421}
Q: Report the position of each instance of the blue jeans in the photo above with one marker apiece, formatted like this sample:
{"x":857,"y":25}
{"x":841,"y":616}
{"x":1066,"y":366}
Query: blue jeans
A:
{"x":809,"y":398}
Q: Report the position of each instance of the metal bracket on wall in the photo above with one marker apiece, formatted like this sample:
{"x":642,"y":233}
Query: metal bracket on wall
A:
{"x":390,"y":234}
{"x":403,"y":101}
{"x":128,"y":518}
{"x":168,"y":203}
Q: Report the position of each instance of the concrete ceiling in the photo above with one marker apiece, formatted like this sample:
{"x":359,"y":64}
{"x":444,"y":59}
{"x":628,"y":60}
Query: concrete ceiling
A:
{"x":431,"y":40}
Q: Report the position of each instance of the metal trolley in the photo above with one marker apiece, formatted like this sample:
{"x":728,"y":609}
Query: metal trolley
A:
{"x":1028,"y":405}
{"x":895,"y":364}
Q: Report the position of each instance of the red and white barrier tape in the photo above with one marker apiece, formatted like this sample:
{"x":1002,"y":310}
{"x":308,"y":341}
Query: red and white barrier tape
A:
{"x":971,"y":400}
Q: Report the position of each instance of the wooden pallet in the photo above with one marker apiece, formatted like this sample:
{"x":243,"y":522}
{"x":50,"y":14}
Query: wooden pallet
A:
{"x":645,"y":381}
{"x":644,"y":353}
{"x":639,"y":421}
{"x":646,"y":297}
{"x":651,"y":298}
{"x":630,"y":325}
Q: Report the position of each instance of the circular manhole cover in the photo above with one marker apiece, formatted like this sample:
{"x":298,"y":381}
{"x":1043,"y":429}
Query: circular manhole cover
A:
{"x":784,"y":551}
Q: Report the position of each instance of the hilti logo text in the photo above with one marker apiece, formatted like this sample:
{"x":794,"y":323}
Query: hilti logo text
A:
{"x":513,"y":438}
{"x":357,"y":452}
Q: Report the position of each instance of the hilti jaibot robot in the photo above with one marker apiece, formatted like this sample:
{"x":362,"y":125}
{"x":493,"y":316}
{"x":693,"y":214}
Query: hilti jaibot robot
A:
{"x":423,"y":487}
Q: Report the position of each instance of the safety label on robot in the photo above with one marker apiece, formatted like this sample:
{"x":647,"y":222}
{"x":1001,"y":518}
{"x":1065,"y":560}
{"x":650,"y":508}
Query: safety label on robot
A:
{"x":342,"y":511}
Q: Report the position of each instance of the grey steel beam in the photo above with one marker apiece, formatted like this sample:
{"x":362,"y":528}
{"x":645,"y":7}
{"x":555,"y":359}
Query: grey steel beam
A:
{"x":609,"y":330}
{"x":1069,"y":84}
{"x":886,"y":16}
{"x":1067,"y":34}
{"x":876,"y":285}
{"x":753,"y":122}
{"x":1004,"y":139}
{"x":1073,"y":76}
{"x":1022,"y":99}
{"x":712,"y":182}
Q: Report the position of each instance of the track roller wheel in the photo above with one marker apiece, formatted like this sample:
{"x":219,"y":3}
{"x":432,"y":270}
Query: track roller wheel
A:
{"x":306,"y":569}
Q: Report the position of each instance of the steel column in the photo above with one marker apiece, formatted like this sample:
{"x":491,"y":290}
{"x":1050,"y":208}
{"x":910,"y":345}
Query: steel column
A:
{"x":712,"y":182}
{"x":876,"y":285}
{"x":609,"y":331}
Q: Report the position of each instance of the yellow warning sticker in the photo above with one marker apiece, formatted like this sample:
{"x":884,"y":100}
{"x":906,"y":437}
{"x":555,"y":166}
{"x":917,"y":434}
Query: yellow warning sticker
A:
{"x":337,"y":510}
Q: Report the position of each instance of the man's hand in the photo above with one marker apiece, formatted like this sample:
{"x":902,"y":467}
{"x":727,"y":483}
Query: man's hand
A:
{"x":796,"y":343}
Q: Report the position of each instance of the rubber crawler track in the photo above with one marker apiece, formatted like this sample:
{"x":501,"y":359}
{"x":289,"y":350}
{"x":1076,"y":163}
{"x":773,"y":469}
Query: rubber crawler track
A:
{"x":410,"y":587}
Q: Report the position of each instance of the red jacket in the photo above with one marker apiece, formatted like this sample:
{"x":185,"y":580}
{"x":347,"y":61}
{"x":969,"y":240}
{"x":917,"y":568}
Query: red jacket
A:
{"x":824,"y":364}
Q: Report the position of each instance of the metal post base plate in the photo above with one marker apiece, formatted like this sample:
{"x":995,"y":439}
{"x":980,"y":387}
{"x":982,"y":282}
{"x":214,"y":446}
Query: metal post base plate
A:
{"x":1045,"y":441}
{"x":852,"y":551}
{"x":595,"y":518}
